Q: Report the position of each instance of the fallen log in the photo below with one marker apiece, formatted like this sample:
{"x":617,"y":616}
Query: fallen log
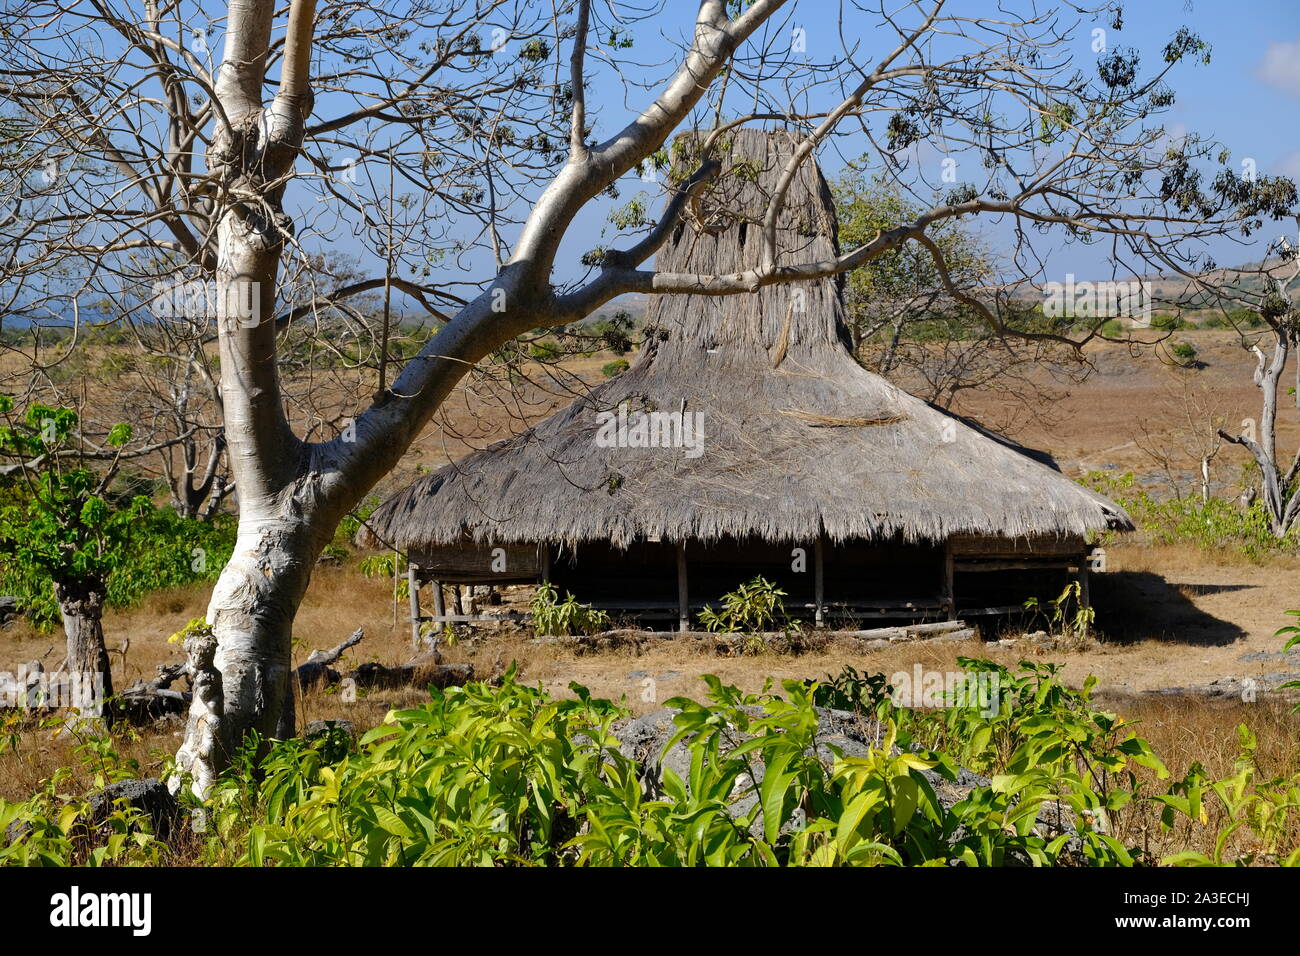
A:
{"x":146,"y":701}
{"x":316,"y":668}
{"x":934,"y":626}
{"x":418,"y":673}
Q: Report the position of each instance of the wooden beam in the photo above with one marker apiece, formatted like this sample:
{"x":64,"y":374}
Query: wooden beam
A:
{"x":1012,"y":565}
{"x":413,"y":593}
{"x":683,"y":596}
{"x":544,"y":561}
{"x":1006,"y":609}
{"x":458,"y":618}
{"x":819,"y":582}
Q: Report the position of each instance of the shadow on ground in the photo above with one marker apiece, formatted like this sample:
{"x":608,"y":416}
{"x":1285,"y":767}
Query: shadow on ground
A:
{"x":1134,"y":606}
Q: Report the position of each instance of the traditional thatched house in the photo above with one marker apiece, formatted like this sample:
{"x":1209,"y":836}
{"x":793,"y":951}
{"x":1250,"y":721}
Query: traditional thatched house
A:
{"x":746,"y":440}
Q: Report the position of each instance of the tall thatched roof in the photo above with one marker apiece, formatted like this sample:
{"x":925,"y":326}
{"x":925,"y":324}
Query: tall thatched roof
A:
{"x":798,"y":439}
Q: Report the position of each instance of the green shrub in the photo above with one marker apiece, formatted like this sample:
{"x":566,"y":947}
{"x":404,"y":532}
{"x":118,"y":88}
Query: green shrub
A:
{"x":165,"y":550}
{"x":754,"y":606}
{"x":1292,"y":633}
{"x":553,"y":616}
{"x":544,"y":351}
{"x":63,"y":522}
{"x":616,"y":367}
{"x":53,"y":828}
{"x":1245,"y":319}
{"x":505,"y":775}
{"x":1184,"y":352}
{"x":1212,"y":524}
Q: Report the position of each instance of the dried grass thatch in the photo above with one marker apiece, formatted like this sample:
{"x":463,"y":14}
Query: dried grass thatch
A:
{"x":798,"y":439}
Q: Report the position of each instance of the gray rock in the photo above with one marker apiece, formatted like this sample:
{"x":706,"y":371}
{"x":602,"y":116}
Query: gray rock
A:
{"x":16,"y":831}
{"x":1239,"y":687}
{"x":644,"y":739}
{"x":1266,"y":657}
{"x":315,"y":727}
{"x":150,"y":797}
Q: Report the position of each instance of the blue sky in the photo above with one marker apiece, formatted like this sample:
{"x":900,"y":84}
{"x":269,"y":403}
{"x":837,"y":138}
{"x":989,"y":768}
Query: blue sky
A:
{"x":1247,"y":97}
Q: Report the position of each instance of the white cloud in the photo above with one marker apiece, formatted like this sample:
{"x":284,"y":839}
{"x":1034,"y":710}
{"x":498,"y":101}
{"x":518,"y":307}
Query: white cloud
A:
{"x":1281,"y":66}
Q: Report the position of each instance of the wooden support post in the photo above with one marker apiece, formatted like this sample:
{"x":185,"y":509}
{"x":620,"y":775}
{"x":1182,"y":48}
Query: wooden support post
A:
{"x":397,"y":563}
{"x":439,"y":608}
{"x":683,"y":599}
{"x":413,"y":593}
{"x":819,"y":581}
{"x":949,"y":581}
{"x":1085,"y":591}
{"x":544,"y":561}
{"x":456,"y":607}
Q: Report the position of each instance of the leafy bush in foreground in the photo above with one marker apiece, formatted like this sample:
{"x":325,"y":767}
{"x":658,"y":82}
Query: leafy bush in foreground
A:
{"x":506,"y":775}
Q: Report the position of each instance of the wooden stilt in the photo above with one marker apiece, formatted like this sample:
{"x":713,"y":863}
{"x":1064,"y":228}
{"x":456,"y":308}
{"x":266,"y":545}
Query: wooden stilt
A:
{"x":949,"y":582}
{"x":544,"y":561}
{"x":456,"y":607}
{"x":1085,"y":591}
{"x":819,"y":582}
{"x":683,"y":602}
{"x":413,"y":593}
{"x":439,"y":608}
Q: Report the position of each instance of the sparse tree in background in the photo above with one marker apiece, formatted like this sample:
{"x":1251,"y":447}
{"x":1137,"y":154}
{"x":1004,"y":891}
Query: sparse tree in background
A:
{"x":66,"y":531}
{"x":1183,"y":433}
{"x":139,"y":143}
{"x":901,"y":287}
{"x":905,"y":325}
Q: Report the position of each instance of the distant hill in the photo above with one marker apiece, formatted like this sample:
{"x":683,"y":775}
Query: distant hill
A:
{"x":1174,"y":290}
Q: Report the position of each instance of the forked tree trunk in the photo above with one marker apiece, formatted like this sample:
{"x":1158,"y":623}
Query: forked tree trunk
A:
{"x":81,"y":605}
{"x":293,"y":494}
{"x":1277,"y":483}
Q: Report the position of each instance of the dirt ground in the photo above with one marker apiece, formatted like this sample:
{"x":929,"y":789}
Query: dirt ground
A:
{"x":1099,"y":425}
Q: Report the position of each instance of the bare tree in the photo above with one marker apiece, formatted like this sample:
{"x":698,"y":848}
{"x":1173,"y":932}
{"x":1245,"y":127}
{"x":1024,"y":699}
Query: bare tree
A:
{"x":1270,"y":291}
{"x":1183,"y":432}
{"x":480,"y":107}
